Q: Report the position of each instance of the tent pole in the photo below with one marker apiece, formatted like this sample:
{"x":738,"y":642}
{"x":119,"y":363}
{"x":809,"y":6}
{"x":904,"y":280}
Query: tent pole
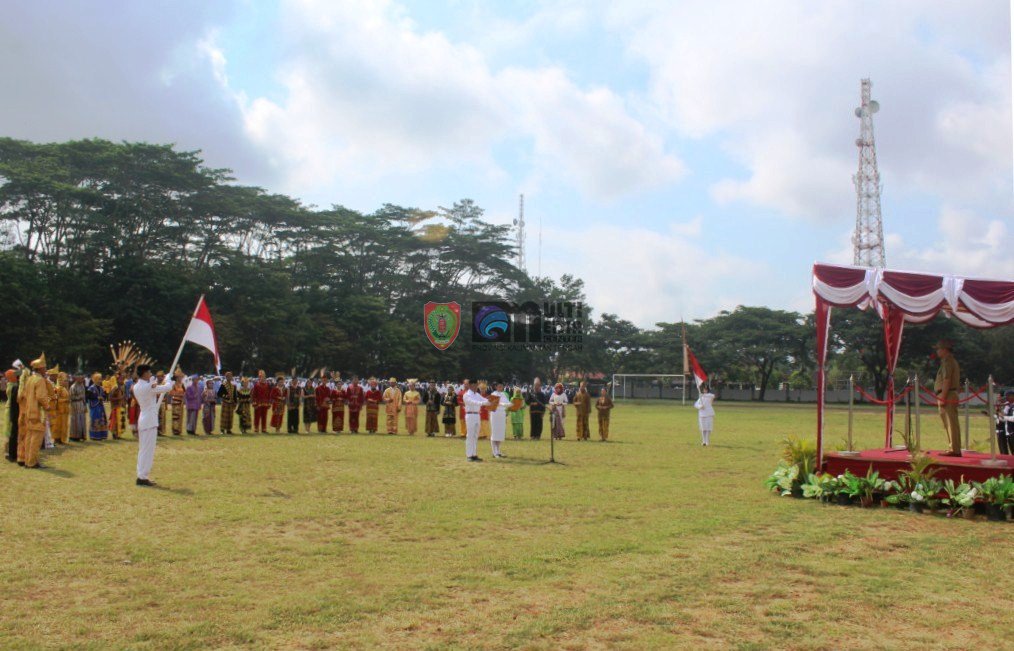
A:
{"x":992,"y":461}
{"x":918,"y":419}
{"x":968,"y":421}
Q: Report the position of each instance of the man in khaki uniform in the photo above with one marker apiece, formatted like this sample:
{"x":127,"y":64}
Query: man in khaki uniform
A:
{"x":392,"y":402}
{"x":946,"y":389}
{"x":33,"y":401}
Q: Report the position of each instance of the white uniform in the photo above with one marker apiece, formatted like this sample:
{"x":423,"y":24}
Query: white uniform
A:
{"x":473,"y":401}
{"x":147,"y":396}
{"x":705,"y":416}
{"x":498,"y":422}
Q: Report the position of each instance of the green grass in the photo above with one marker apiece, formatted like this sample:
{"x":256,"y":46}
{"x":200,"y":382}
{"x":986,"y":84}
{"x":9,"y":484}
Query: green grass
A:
{"x":648,"y":541}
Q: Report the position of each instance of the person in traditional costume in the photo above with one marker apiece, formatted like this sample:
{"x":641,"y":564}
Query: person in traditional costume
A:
{"x":147,"y":393}
{"x":133,"y":409}
{"x":227,"y":394}
{"x":261,"y":399}
{"x":244,"y":401}
{"x":281,"y":402}
{"x":450,"y":402}
{"x":498,"y":421}
{"x":462,"y":426}
{"x":432,"y":409}
{"x":557,"y":404}
{"x":411,"y":400}
{"x":61,"y":423}
{"x":117,"y":407}
{"x":536,"y":409}
{"x":373,"y":398}
{"x":484,"y":411}
{"x":177,"y":398}
{"x":473,"y":403}
{"x":582,"y":407}
{"x":337,"y":399}
{"x":604,"y":405}
{"x":163,"y":407}
{"x":516,"y":413}
{"x":33,"y":402}
{"x":209,"y":400}
{"x":192,"y":398}
{"x":309,"y":404}
{"x":12,"y":415}
{"x":97,"y":410}
{"x":293,"y":401}
{"x":78,"y":409}
{"x":393,"y":399}
{"x":355,"y":396}
{"x":323,"y":398}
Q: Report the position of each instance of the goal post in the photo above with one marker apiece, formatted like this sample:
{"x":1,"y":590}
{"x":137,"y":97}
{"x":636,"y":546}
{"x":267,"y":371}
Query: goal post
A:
{"x":651,"y":386}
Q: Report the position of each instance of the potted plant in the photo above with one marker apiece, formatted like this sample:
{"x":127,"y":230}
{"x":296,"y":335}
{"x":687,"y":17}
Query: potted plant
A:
{"x":960,"y":498}
{"x":868,"y":486}
{"x":898,"y":496}
{"x":784,"y":479}
{"x":801,"y":453}
{"x":848,"y":488}
{"x":996,"y":491}
{"x":931,"y":488}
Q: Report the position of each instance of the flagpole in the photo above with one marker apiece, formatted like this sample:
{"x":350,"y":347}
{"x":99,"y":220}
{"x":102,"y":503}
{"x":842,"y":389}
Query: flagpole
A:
{"x":179,"y":352}
{"x":683,"y":328}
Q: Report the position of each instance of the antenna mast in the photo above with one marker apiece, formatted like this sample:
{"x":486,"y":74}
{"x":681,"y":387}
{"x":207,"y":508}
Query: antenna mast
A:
{"x":520,"y":223}
{"x":868,"y":239}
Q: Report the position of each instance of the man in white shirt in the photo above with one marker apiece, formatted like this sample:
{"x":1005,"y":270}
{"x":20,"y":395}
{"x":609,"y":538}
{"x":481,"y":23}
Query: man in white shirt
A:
{"x":147,"y":393}
{"x":473,"y":402}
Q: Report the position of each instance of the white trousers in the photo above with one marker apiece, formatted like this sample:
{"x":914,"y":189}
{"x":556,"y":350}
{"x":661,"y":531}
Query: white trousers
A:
{"x":471,"y":435}
{"x":146,"y":451}
{"x":706,"y":423}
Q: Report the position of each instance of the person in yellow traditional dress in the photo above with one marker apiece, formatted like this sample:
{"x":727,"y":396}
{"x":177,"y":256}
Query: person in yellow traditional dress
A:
{"x":582,"y":407}
{"x":117,"y":406}
{"x":411,"y":400}
{"x":604,"y":405}
{"x":33,"y":401}
{"x":61,"y":424}
{"x":392,"y":405}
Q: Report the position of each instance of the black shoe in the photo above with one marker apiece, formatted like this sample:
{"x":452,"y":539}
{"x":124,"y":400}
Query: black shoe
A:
{"x":11,"y":459}
{"x":145,"y":482}
{"x":21,"y":463}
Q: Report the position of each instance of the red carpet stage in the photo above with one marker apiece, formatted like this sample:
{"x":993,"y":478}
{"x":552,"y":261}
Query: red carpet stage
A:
{"x":889,"y":462}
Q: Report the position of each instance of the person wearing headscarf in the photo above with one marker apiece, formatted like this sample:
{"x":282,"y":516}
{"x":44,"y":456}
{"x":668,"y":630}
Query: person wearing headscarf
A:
{"x":604,"y":405}
{"x":309,"y":404}
{"x":517,"y":414}
{"x":582,"y":407}
{"x":177,"y":405}
{"x":192,"y":398}
{"x":97,"y":409}
{"x":392,"y":405}
{"x":78,"y":409}
{"x":433,"y":398}
{"x":411,"y":400}
{"x":293,"y":401}
{"x":33,"y":401}
{"x":12,"y":414}
{"x":557,"y":413}
{"x":450,"y":403}
{"x":209,"y":400}
{"x":536,"y":409}
{"x":244,"y":401}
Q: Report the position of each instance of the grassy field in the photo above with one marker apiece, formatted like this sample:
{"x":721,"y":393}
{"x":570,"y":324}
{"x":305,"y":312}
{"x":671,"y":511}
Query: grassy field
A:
{"x":648,"y":541}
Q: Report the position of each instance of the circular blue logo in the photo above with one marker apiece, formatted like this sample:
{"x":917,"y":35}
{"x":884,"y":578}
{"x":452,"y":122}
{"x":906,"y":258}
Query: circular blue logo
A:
{"x":491,"y":322}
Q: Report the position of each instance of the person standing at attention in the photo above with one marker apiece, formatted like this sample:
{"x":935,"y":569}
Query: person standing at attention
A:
{"x":604,"y":405}
{"x":705,"y":413}
{"x":946,"y":389}
{"x":147,"y":394}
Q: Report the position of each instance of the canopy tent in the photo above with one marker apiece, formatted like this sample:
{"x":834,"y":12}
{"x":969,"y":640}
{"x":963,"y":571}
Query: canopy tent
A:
{"x":901,"y":297}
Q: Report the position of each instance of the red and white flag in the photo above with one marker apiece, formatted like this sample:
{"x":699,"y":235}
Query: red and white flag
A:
{"x":202,"y":331}
{"x":700,"y":377}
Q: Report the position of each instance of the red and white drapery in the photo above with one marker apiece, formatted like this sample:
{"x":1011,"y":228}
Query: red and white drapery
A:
{"x":901,"y":297}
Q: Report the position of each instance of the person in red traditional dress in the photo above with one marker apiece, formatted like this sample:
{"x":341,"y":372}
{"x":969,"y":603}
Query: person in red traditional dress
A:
{"x":323,"y":395}
{"x":337,"y":405}
{"x":373,"y":399}
{"x":355,"y":397}
{"x":461,"y":407}
{"x":279,"y":394}
{"x":261,"y":398}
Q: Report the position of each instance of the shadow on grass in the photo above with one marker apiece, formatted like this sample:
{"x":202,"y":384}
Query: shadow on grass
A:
{"x":274,"y":492}
{"x":176,"y":491}
{"x":524,"y":461}
{"x":57,"y":472}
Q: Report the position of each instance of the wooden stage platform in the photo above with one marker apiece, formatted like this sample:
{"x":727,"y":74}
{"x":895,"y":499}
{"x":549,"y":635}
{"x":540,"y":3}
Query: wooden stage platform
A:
{"x":891,"y":461}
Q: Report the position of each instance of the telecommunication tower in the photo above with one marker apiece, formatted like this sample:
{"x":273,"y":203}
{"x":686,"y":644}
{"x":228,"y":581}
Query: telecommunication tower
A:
{"x":520,"y":224}
{"x":868,"y":239}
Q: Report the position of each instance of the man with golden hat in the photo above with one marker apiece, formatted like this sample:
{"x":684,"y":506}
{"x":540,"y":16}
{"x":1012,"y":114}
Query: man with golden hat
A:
{"x":61,"y":419}
{"x":33,"y":401}
{"x":392,"y":405}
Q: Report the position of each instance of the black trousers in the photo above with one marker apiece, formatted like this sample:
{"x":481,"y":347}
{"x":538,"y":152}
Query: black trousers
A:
{"x":292,"y":420}
{"x":1004,"y":441}
{"x":535,"y":418}
{"x":13,"y":411}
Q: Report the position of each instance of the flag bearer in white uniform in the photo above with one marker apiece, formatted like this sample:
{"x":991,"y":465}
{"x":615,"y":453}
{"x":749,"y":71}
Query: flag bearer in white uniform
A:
{"x":705,"y":413}
{"x":473,"y":401}
{"x":147,"y":392}
{"x":498,"y":420}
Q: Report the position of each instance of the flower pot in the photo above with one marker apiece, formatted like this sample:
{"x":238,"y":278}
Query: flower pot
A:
{"x":968,"y":514}
{"x":915,"y":507}
{"x":842,"y":499}
{"x":994,"y":513}
{"x":866,"y":502}
{"x":884,"y":504}
{"x":1010,"y":513}
{"x":797,"y":491}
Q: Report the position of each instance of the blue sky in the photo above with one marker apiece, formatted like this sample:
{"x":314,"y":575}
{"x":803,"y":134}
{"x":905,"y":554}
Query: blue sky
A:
{"x":683,"y":158}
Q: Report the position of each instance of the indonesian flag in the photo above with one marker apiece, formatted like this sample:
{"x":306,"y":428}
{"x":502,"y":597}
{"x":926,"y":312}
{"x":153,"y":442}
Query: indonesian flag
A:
{"x":202,"y":331}
{"x":700,"y":377}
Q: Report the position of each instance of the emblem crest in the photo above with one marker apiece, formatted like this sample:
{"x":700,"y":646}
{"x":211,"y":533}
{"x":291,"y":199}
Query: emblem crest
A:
{"x":442,"y":321}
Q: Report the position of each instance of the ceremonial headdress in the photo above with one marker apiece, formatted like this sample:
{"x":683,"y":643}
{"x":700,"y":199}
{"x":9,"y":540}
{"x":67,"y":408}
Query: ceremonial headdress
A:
{"x":394,"y":379}
{"x":11,"y":375}
{"x":96,"y":378}
{"x":40,"y":362}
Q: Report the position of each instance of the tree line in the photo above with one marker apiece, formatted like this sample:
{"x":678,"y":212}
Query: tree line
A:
{"x":104,"y":241}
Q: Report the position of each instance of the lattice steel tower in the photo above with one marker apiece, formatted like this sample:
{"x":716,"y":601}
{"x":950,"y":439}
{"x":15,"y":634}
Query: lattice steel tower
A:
{"x":868,"y":240}
{"x":520,"y":224}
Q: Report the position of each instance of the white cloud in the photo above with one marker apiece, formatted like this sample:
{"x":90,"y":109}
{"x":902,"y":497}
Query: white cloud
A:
{"x":369,"y":94}
{"x":969,"y":245}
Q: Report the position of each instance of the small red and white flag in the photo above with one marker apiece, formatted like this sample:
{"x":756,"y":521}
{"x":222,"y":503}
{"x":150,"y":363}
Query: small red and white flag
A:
{"x":700,"y":377}
{"x":202,"y":331}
